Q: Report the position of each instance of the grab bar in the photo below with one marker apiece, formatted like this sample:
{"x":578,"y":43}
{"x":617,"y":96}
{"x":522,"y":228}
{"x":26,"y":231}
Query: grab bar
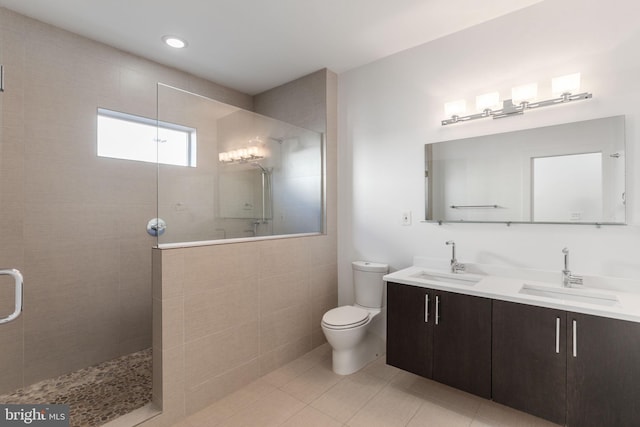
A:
{"x":17,"y":277}
{"x":474,"y":206}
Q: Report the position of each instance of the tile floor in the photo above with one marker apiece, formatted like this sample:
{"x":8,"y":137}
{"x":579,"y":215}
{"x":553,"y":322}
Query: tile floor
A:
{"x":306,"y":393}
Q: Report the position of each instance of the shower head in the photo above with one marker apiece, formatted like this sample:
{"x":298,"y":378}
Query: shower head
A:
{"x":258,"y":165}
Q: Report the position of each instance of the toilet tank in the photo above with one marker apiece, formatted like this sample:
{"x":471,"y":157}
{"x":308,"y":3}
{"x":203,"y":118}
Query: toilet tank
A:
{"x":368,"y":283}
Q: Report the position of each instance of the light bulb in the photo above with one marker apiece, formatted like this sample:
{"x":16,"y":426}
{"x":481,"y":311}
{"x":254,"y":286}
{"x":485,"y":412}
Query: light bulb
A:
{"x":565,"y":84}
{"x":488,"y":101}
{"x":455,"y":108}
{"x":174,"y":42}
{"x":524,"y":93}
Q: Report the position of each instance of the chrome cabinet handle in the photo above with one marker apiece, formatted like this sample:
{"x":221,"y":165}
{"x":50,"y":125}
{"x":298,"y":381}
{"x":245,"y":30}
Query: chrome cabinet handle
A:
{"x":437,"y":309}
{"x":557,"y":335}
{"x":426,"y":308}
{"x":575,"y":338}
{"x":17,"y":277}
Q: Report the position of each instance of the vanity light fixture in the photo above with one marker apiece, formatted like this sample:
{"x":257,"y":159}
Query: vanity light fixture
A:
{"x":522,"y":98}
{"x":175,"y":42}
{"x":242,"y":155}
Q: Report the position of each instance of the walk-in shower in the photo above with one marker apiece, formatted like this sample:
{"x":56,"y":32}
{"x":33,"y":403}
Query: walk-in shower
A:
{"x":73,"y":221}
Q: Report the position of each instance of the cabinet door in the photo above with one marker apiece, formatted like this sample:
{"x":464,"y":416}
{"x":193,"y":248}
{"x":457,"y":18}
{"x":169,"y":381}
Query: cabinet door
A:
{"x":409,"y":330}
{"x":530,"y":359}
{"x":462,"y":342}
{"x":603,"y":372}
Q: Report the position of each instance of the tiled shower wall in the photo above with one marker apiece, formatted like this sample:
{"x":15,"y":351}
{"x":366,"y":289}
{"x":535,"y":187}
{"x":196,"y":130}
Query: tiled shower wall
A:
{"x":72,"y":222}
{"x":226,"y":314}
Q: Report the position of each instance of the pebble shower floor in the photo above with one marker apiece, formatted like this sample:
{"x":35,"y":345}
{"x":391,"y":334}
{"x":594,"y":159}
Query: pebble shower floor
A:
{"x":97,"y":394}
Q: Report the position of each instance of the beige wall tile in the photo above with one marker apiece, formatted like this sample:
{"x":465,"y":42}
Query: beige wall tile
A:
{"x":282,"y":291}
{"x":173,"y":273}
{"x":212,"y":355}
{"x":317,"y":338}
{"x":221,"y":308}
{"x":218,"y":387}
{"x":324,"y":280}
{"x":282,"y":256}
{"x":172,"y":322}
{"x":284,"y":326}
{"x":274,"y":359}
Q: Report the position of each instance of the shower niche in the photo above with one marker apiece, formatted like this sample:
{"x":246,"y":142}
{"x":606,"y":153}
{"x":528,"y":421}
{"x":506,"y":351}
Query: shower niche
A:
{"x":253,"y":176}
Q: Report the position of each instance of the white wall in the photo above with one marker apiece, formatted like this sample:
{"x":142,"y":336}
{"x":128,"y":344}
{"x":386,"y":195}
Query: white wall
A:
{"x":389,"y":109}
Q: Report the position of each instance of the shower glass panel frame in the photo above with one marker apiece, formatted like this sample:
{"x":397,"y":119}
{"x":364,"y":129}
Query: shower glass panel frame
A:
{"x":256,"y":177}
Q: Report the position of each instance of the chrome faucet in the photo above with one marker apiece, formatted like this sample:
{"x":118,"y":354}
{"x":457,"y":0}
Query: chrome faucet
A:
{"x":456,"y":267}
{"x":568,"y":279}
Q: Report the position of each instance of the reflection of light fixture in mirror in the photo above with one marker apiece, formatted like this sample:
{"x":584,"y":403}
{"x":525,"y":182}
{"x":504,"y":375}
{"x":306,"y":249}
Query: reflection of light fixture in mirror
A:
{"x":241,"y":155}
{"x":175,"y":42}
{"x":523,"y":98}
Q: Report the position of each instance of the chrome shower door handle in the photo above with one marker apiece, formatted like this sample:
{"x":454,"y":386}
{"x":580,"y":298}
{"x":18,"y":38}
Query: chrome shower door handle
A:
{"x":17,"y":277}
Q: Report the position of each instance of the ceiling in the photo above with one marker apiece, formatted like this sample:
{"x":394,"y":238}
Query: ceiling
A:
{"x":254,"y":45}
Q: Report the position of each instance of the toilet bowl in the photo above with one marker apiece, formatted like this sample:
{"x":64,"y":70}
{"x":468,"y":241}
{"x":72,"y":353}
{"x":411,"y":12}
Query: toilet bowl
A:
{"x":346,"y":328}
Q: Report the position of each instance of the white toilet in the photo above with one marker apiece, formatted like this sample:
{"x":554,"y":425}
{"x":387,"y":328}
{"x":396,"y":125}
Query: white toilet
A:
{"x":346,"y":328}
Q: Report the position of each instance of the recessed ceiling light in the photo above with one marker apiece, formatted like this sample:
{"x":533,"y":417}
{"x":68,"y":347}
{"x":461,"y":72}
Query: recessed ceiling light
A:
{"x":174,"y":41}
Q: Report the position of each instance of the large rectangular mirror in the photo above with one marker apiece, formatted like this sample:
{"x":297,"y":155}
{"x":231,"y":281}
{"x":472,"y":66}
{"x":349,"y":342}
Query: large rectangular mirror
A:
{"x":570,"y":173}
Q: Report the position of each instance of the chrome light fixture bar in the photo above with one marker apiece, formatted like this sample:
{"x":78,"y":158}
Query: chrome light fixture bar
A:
{"x":522,"y":99}
{"x":510,"y":109}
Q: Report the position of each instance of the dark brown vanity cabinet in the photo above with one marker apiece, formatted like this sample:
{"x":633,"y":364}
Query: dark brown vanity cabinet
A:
{"x":409,"y":328}
{"x":529,"y":359}
{"x":440,"y":335}
{"x":603,"y":372}
{"x":574,"y":369}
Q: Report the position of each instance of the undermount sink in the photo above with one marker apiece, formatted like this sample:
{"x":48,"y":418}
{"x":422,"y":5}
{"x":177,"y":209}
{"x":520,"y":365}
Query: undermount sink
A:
{"x":570,"y":294}
{"x":451,"y":278}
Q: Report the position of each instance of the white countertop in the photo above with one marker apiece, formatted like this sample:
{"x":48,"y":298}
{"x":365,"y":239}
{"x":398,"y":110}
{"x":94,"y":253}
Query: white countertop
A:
{"x":623,"y":295}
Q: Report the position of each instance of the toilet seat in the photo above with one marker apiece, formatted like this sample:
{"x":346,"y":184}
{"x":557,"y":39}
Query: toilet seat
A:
{"x":345,"y":317}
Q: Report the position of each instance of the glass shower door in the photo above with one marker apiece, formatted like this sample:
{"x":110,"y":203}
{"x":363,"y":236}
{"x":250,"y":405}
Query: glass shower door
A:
{"x":11,"y":249}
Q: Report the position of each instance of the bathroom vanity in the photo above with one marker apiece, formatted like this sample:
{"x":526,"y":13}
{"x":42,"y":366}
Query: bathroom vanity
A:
{"x":441,"y":335}
{"x":569,"y":355}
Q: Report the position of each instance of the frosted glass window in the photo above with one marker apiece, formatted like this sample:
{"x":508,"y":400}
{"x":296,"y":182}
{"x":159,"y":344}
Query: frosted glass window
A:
{"x":129,"y":137}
